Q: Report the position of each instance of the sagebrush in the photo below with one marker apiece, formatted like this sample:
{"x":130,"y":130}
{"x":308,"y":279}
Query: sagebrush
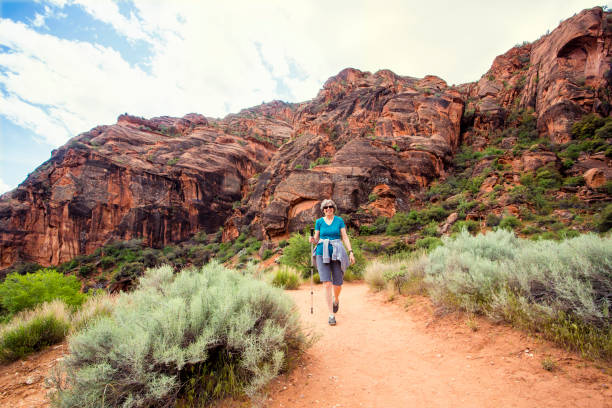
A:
{"x":164,"y":341}
{"x":561,"y":289}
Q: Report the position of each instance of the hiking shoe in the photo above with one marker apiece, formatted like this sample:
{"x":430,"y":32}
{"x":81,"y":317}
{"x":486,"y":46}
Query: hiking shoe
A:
{"x":336,"y":306}
{"x":332,"y":320}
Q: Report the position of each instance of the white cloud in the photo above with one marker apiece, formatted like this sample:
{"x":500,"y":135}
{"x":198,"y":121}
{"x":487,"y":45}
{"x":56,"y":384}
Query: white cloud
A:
{"x":108,"y":12}
{"x":207,"y":56}
{"x":5,"y":187}
{"x":39,"y":20}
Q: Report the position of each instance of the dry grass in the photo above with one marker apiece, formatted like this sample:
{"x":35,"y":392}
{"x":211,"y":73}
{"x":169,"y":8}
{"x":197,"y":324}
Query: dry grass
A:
{"x":93,"y":309}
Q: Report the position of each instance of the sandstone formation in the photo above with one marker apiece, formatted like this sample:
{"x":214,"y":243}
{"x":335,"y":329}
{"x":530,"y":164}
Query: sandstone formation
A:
{"x":160,"y":180}
{"x":371,"y":141}
{"x":559,"y":77}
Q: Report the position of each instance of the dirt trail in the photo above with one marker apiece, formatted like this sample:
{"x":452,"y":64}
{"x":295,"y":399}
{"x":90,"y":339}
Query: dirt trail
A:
{"x":384,"y":354}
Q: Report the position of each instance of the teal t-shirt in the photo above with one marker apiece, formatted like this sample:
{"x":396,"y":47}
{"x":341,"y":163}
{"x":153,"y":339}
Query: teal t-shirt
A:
{"x":331,"y":231}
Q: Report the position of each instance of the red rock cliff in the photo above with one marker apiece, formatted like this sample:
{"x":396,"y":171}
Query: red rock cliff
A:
{"x":372,"y":142}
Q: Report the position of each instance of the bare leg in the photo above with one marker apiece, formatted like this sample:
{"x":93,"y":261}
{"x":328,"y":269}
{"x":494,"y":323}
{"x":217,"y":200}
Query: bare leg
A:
{"x":337,"y":290}
{"x":328,"y":296}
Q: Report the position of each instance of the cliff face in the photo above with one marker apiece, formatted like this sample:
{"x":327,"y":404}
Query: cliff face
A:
{"x":379,"y":136}
{"x":161,"y":180}
{"x":371,"y":142}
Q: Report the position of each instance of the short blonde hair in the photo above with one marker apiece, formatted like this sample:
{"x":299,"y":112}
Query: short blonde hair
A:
{"x":328,"y":202}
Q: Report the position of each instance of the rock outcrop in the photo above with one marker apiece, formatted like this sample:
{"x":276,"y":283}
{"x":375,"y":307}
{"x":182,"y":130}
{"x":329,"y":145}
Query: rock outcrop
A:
{"x":160,"y":180}
{"x":560,"y":77}
{"x":364,"y":138}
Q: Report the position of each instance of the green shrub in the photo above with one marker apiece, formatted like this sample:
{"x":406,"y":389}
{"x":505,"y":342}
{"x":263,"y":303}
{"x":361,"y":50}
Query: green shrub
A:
{"x":297,"y":254}
{"x":319,"y":161}
{"x":356,"y":270}
{"x":510,"y":222}
{"x":585,"y":128}
{"x":107,"y":262}
{"x":530,"y":230}
{"x":129,"y":271}
{"x":603,"y":222}
{"x":378,"y":227}
{"x":286,"y":278}
{"x":85,"y":270}
{"x":469,"y":225}
{"x":560,"y":289}
{"x":606,"y":188}
{"x":373,"y":247}
{"x":405,"y":275}
{"x":267,"y":253}
{"x":493,"y":220}
{"x":403,"y":223}
{"x":197,"y":335}
{"x":31,"y":331}
{"x":20,"y":292}
{"x":372,"y":197}
{"x":283,"y":243}
{"x":573,"y":181}
{"x":428,"y":243}
{"x":367,"y":230}
{"x":430,"y":230}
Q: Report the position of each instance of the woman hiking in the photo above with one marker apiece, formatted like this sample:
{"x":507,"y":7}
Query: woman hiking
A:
{"x":331,"y":257}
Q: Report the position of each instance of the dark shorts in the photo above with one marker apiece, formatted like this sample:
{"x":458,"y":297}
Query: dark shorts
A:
{"x":330,"y":272}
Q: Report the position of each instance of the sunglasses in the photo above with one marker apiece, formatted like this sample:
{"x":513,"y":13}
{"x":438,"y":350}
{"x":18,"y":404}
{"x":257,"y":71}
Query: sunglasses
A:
{"x":328,"y":207}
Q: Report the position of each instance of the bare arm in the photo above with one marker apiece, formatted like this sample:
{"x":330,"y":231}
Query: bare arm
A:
{"x":345,"y":240}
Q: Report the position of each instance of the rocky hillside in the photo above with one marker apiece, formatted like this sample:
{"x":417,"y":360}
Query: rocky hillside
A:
{"x":376,"y":143}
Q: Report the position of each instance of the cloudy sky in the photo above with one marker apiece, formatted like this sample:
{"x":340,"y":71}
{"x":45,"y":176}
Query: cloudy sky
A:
{"x":69,"y":65}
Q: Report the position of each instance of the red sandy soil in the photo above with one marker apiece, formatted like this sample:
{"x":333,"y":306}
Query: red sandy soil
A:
{"x":395,"y":353}
{"x":399,"y":354}
{"x":22,"y":383}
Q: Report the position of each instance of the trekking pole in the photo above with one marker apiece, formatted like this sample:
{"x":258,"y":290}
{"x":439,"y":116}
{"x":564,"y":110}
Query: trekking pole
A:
{"x":311,"y":275}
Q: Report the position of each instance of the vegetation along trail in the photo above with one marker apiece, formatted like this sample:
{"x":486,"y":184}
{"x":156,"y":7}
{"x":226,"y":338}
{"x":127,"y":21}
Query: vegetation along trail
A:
{"x":396,"y":353}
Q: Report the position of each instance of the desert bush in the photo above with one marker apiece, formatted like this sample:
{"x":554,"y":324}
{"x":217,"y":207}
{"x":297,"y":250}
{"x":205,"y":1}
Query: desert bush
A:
{"x":356,"y":270}
{"x":374,"y":275}
{"x":430,"y":230}
{"x":130,"y":271}
{"x":404,"y":275}
{"x":403,"y":223}
{"x":20,"y":292}
{"x":297,"y":253}
{"x":373,"y":247}
{"x":603,"y":221}
{"x":493,"y":220}
{"x":32,"y":330}
{"x":378,"y":227}
{"x":200,"y":334}
{"x":428,"y":243}
{"x":267,"y":253}
{"x":286,"y":277}
{"x":561,"y":289}
{"x":469,"y":225}
{"x":85,"y":270}
{"x":510,"y":222}
{"x":408,"y":279}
